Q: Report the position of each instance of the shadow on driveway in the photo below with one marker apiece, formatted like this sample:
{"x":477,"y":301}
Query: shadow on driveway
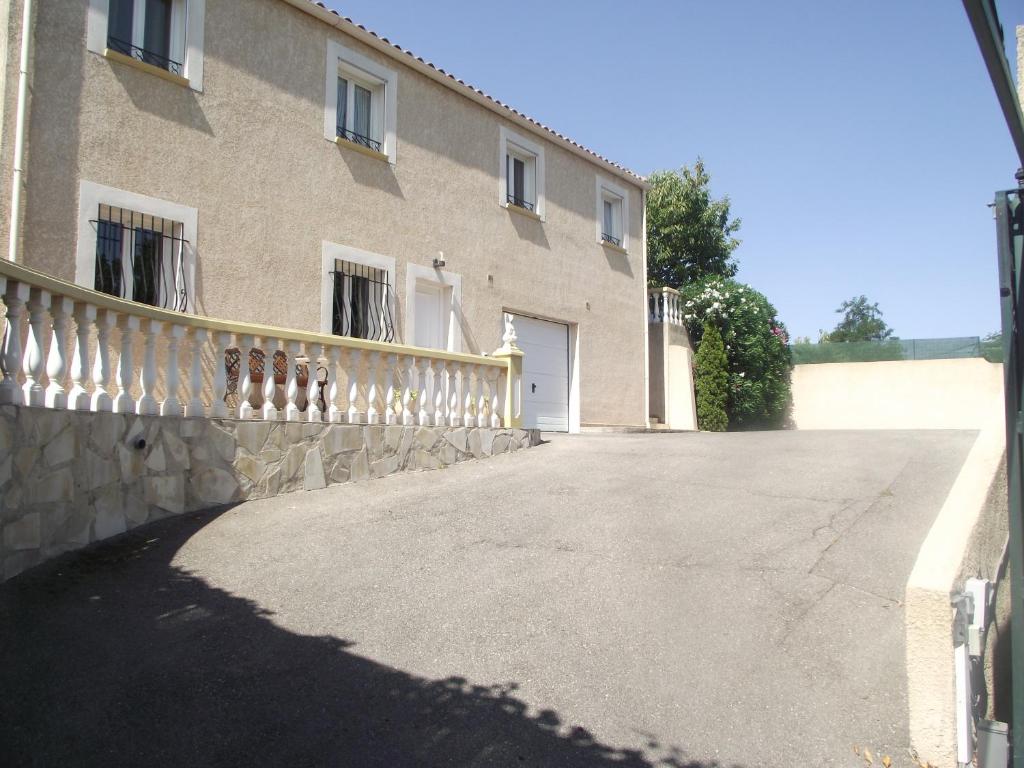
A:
{"x":115,"y":656}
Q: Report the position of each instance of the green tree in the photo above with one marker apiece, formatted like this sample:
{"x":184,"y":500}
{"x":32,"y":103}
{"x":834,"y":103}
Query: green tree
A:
{"x":711,"y":381}
{"x":756,"y":348}
{"x":689,"y":233}
{"x":862,"y":321}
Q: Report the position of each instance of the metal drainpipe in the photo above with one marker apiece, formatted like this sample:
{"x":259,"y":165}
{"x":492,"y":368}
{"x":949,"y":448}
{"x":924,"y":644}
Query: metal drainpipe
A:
{"x":14,"y":244}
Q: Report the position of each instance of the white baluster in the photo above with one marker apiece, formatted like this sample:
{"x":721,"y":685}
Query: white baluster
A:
{"x":291,"y":386}
{"x":352,"y":370}
{"x":245,"y":346}
{"x":101,"y":401}
{"x":391,"y":416}
{"x":467,"y":396}
{"x":124,"y":403}
{"x":32,"y":362}
{"x":78,"y":397}
{"x":147,"y":404}
{"x":334,"y":412}
{"x":422,"y":399}
{"x":171,"y":406}
{"x":492,"y":386}
{"x":502,"y":393}
{"x":194,"y":408}
{"x":313,"y":353}
{"x":57,"y":360}
{"x":269,"y":410}
{"x":219,"y":405}
{"x":372,"y":413}
{"x":15,"y":296}
{"x":409,"y":369}
{"x":437,"y":376}
{"x":454,"y":409}
{"x":481,"y":396}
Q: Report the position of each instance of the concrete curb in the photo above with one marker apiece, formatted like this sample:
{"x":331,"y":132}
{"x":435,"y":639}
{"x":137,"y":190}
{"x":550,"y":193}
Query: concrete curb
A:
{"x":928,"y":613}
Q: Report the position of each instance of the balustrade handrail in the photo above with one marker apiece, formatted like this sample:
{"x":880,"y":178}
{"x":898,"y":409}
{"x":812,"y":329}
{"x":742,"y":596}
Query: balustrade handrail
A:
{"x":78,"y":293}
{"x":662,"y":289}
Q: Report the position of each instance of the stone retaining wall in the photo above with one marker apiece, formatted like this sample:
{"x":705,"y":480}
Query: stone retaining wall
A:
{"x":69,"y":478}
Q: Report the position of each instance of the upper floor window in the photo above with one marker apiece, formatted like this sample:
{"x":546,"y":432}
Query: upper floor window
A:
{"x":360,"y":102}
{"x":164,"y":37}
{"x":612,"y":215}
{"x":360,"y":108}
{"x":136,"y":247}
{"x":152,"y":31}
{"x":521,"y":174}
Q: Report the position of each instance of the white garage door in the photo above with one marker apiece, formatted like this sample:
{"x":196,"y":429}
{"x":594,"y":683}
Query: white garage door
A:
{"x":545,"y":347}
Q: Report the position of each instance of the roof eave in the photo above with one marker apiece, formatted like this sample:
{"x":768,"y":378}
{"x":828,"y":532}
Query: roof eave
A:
{"x":384,"y":46}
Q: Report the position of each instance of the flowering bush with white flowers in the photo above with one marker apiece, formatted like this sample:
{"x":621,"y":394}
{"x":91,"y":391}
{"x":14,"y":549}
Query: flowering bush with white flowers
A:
{"x":756,"y":345}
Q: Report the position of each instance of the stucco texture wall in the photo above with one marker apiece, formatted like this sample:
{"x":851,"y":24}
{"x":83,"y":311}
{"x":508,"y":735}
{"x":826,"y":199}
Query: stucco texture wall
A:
{"x":249,"y":153}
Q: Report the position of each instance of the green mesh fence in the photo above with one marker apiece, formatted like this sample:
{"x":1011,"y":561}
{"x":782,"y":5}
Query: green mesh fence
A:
{"x":897,"y":349}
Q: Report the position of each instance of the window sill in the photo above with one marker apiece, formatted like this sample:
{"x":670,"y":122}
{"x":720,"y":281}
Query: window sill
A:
{"x":614,"y":247}
{"x":343,"y":142}
{"x":522,"y":211}
{"x":128,"y":61}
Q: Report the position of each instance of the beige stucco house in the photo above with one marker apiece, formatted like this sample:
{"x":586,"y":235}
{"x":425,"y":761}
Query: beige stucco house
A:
{"x":269,"y":161}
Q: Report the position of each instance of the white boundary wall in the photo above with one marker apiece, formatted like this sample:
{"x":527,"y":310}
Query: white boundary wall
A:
{"x":905,"y":394}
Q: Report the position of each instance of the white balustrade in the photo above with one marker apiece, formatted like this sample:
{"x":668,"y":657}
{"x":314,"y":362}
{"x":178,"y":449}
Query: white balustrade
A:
{"x":352,"y":370}
{"x":437,"y":374}
{"x":291,"y":384}
{"x":372,"y":366}
{"x":171,"y":406}
{"x":15,"y":297}
{"x":468,"y":419}
{"x":389,"y":389}
{"x":454,"y":411}
{"x":245,"y":347}
{"x":32,"y":363}
{"x":665,"y":305}
{"x":334,"y":412}
{"x":130,"y":370}
{"x":57,"y":360}
{"x":124,"y":403}
{"x":422,"y":398}
{"x":148,"y":404}
{"x":219,"y":404}
{"x":408,"y":375}
{"x":195,"y":408}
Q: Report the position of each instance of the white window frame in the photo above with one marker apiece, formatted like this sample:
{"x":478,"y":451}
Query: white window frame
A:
{"x":451,"y":286}
{"x":510,"y":143}
{"x":187,"y":35}
{"x":334,"y":252}
{"x":91,"y":195}
{"x":607,"y":190}
{"x":344,"y":62}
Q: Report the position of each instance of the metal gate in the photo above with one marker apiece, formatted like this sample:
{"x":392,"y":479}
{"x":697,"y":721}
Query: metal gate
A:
{"x":1010,"y":239}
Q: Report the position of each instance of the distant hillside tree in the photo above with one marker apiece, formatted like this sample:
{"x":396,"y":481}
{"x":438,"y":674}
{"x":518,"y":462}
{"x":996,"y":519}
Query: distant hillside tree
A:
{"x":862,"y":321}
{"x":689,"y":233}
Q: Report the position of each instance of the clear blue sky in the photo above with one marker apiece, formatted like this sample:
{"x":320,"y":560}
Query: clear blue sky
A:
{"x":859,"y":142}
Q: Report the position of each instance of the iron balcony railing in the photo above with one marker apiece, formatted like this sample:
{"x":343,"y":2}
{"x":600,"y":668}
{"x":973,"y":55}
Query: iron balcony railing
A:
{"x":141,"y":258}
{"x":148,"y":57}
{"x":520,"y":202}
{"x":616,"y":241}
{"x":358,"y":138}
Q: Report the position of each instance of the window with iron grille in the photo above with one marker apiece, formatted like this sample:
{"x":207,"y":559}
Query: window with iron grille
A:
{"x":362,"y":307}
{"x":151,"y":31}
{"x":141,"y":258}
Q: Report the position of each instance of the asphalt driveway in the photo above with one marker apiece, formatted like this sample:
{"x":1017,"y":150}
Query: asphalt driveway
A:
{"x":600,"y":600}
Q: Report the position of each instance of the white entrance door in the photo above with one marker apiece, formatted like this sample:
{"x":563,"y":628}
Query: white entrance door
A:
{"x":545,"y":347}
{"x":431,"y":328}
